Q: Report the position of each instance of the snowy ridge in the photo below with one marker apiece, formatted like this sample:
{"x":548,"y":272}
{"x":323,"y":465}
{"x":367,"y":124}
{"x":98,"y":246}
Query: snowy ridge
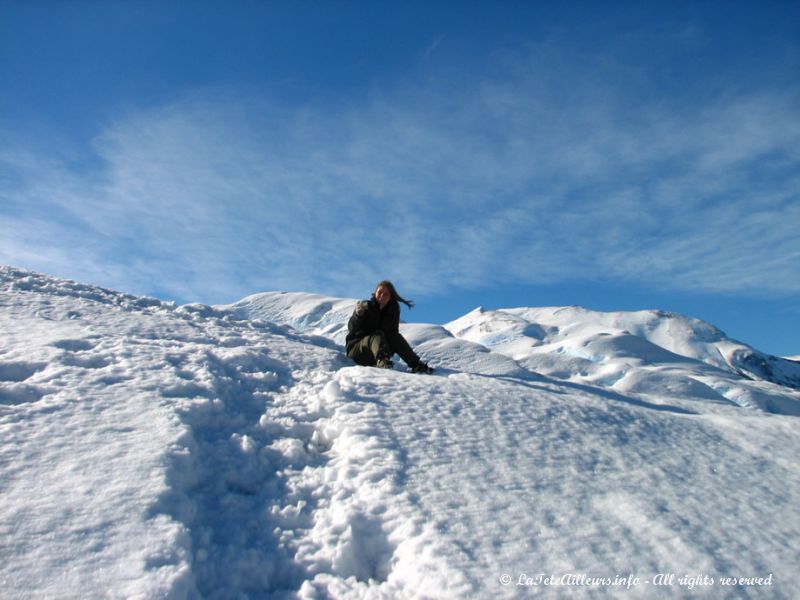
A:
{"x":645,"y":352}
{"x":150,"y":450}
{"x":310,"y":313}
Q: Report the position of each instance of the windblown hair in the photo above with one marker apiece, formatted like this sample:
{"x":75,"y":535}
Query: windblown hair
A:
{"x":395,"y":296}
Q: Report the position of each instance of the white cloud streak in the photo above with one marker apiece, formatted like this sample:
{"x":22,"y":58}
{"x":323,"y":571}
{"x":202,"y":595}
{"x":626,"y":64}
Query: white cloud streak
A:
{"x":536,"y":173}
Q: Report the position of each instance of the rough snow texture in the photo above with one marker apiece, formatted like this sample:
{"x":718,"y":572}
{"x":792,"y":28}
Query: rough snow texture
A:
{"x":149,"y":450}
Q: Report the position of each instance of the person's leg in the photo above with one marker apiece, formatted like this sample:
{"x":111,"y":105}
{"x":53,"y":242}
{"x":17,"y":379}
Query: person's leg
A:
{"x":378,"y":346}
{"x":398,"y":344}
{"x":368,"y":349}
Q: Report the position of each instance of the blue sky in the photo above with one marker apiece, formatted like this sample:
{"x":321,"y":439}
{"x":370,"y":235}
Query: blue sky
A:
{"x":616,"y":155}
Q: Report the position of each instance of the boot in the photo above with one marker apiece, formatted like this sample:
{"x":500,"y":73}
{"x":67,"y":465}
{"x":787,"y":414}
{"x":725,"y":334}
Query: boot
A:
{"x":384,"y":360}
{"x":421,"y":367}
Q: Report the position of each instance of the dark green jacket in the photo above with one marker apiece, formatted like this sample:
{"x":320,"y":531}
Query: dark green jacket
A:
{"x":368,"y":318}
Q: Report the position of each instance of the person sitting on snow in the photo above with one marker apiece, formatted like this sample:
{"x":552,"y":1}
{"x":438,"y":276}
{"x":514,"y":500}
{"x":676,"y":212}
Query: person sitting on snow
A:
{"x":374,"y":331}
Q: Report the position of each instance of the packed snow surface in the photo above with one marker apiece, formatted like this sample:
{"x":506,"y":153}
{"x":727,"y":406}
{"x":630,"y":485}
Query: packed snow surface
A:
{"x":149,"y":450}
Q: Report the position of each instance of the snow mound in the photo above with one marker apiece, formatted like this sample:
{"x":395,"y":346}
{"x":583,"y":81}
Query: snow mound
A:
{"x":310,"y":313}
{"x":149,"y":450}
{"x":647,"y":352}
{"x":640,"y":335}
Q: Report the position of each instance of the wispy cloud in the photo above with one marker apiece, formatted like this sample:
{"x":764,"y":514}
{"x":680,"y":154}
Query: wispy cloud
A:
{"x":531,"y":171}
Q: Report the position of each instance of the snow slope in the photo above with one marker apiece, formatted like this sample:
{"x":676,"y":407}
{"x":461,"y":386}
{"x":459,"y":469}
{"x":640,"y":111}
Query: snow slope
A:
{"x":647,"y":352}
{"x":149,"y":450}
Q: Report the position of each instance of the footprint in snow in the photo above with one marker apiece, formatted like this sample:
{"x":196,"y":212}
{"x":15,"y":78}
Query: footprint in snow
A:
{"x":19,"y":393}
{"x":19,"y":371}
{"x":74,"y":345}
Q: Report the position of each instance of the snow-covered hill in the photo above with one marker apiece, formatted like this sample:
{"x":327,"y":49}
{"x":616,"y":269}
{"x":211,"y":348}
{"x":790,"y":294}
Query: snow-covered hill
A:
{"x":149,"y":450}
{"x":646,"y":352}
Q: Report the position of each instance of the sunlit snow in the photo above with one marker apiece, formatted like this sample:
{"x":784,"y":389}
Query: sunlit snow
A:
{"x":149,"y":450}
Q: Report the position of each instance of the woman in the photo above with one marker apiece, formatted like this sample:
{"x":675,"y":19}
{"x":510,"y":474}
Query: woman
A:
{"x":374,"y":331}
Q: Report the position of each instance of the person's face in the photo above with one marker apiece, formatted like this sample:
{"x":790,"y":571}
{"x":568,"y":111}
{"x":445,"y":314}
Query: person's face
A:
{"x":383,"y":295}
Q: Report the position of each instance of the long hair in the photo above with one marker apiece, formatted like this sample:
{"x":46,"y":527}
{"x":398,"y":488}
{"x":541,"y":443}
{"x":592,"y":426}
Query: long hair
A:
{"x":395,"y":296}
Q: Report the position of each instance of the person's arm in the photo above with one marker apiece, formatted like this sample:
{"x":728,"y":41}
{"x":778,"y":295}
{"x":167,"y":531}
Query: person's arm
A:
{"x":358,"y":319}
{"x":358,"y":324}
